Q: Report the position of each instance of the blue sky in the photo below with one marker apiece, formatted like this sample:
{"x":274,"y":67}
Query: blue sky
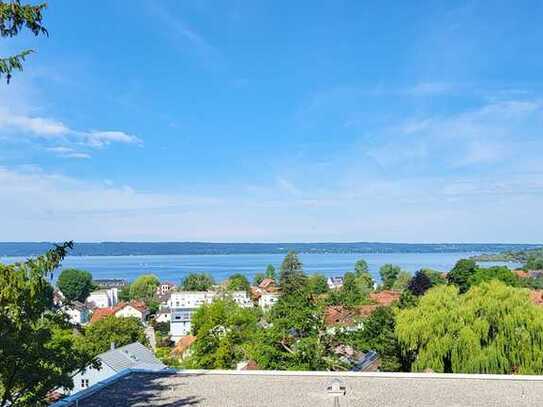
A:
{"x":276,"y":121}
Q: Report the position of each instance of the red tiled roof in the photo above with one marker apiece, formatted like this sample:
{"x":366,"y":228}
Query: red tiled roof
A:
{"x":521,"y":273}
{"x":367,"y":310}
{"x":537,"y":297}
{"x":139,"y":305}
{"x":338,"y":315}
{"x":385,"y":297}
{"x":267,"y":283}
{"x":255,"y":293}
{"x":101,"y":313}
{"x":249,"y":365}
{"x":183,"y":344}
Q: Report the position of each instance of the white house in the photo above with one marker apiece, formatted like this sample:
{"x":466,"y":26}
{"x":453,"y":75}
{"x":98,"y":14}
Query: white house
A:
{"x":78,"y":313}
{"x":132,"y":356}
{"x":184,"y":303}
{"x":132,"y":309}
{"x":335,"y":282}
{"x":107,"y":297}
{"x":267,"y":300}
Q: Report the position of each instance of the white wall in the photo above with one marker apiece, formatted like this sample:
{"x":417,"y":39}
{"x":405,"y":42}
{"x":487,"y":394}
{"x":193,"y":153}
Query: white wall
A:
{"x":130,"y":311}
{"x":93,"y":376}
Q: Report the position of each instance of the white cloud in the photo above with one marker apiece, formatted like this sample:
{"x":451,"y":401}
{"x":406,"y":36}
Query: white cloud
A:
{"x":102,"y":138}
{"x":39,"y":126}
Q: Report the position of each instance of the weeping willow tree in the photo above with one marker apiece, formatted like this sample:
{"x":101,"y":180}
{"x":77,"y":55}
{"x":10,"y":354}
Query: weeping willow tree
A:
{"x":492,"y":328}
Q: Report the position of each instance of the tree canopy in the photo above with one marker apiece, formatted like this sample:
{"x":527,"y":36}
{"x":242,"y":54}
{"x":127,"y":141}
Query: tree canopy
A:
{"x":292,"y":278}
{"x":197,"y":282}
{"x":461,"y":274}
{"x":500,"y":273}
{"x":144,"y":288}
{"x":389,"y":273}
{"x":238,"y":282}
{"x":224,"y":330}
{"x":420,"y":283}
{"x":317,"y":284}
{"x":493,"y":328}
{"x":37,"y":349}
{"x":101,"y":334}
{"x":15,"y":16}
{"x":75,"y":284}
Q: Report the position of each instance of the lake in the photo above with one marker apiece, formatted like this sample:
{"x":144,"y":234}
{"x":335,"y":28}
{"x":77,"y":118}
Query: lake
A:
{"x":175,"y":267}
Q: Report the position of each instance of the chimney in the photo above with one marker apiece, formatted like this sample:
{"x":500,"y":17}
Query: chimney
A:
{"x":112,"y":346}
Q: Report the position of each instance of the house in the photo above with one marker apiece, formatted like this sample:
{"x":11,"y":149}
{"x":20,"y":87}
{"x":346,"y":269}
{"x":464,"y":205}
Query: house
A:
{"x":101,"y":313}
{"x":164,"y":288}
{"x":78,"y":313}
{"x":183,"y":304}
{"x":110,"y":283}
{"x":163,"y":315}
{"x":266,"y":300}
{"x":316,"y":389}
{"x":267,"y":284}
{"x":338,"y":315}
{"x":103,"y":298}
{"x":58,"y":297}
{"x":136,"y":309}
{"x":536,"y":296}
{"x":385,"y":297}
{"x":132,"y":356}
{"x":182,"y":347}
{"x":334,"y":282}
{"x":241,"y":298}
{"x":247,"y":365}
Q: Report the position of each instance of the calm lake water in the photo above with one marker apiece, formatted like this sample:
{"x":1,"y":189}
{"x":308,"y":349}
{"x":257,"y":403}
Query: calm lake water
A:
{"x":175,"y":267}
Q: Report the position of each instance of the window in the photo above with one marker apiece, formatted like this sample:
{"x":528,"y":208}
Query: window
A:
{"x":84,"y":383}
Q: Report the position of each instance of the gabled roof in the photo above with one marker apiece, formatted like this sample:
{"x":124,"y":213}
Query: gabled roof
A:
{"x":266,"y":283}
{"x":101,"y":313}
{"x":138,"y":305}
{"x":134,"y":356}
{"x":183,"y":344}
{"x":385,"y":297}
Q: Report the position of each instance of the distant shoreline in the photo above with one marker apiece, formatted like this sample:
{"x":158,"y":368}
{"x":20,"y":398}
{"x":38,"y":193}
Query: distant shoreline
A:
{"x":20,"y":249}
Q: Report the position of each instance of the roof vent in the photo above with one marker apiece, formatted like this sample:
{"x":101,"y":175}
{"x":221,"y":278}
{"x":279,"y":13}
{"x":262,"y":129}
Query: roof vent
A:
{"x":337,"y":389}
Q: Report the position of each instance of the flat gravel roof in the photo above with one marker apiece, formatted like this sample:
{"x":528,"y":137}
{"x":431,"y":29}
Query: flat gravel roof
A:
{"x":316,"y":389}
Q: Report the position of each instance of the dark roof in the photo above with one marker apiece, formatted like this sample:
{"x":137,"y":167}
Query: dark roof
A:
{"x":311,"y":389}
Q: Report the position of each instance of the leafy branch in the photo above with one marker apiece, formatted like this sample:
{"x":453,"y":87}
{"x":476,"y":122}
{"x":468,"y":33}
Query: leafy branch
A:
{"x":13,"y":17}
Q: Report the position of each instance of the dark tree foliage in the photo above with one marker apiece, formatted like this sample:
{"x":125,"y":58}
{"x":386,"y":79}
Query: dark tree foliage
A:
{"x":534,"y":262}
{"x":419,"y":284}
{"x":37,"y":348}
{"x":13,"y":17}
{"x":75,"y":284}
{"x":292,"y":279}
{"x":461,"y":274}
{"x":197,"y":282}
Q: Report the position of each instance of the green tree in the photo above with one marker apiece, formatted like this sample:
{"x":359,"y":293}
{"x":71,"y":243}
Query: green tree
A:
{"x":419,"y":284}
{"x":13,"y":17}
{"x":363,"y":277}
{"x":238,"y":282}
{"x":101,"y":334}
{"x":270,"y":272}
{"x":144,"y":288}
{"x":402,"y":281}
{"x":37,"y":349}
{"x":75,"y":284}
{"x":223,"y":331}
{"x":292,"y":278}
{"x":461,"y":274}
{"x":197,"y":282}
{"x":258,"y":278}
{"x":389,"y":273}
{"x":436,"y":277}
{"x":124,"y":294}
{"x":534,"y":262}
{"x":493,"y":328}
{"x":317,"y":284}
{"x":500,"y":273}
{"x":349,"y":295}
